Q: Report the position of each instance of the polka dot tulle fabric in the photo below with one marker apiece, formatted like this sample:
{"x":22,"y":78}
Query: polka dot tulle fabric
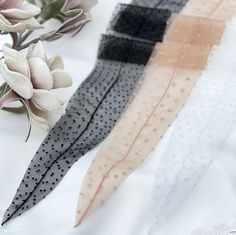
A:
{"x":91,"y":113}
{"x":179,"y":65}
{"x":90,"y":116}
{"x":172,"y":5}
{"x":190,"y":148}
{"x":158,"y":73}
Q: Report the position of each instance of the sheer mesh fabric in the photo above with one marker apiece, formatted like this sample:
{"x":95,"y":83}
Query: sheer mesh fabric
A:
{"x":176,"y":68}
{"x":214,"y":79}
{"x":142,"y":22}
{"x":91,"y":113}
{"x":214,"y":9}
{"x":172,"y":5}
{"x":95,"y":106}
{"x":199,"y":132}
{"x":194,"y":30}
{"x":171,"y":74}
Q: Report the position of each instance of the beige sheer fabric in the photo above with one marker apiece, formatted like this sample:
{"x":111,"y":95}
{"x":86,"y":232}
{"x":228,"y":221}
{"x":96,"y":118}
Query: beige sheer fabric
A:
{"x":168,"y":79}
{"x":213,"y":9}
{"x":194,"y":30}
{"x":170,"y":76}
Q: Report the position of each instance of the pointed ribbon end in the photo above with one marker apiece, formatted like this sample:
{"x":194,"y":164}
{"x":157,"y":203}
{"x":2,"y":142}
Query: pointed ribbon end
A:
{"x":4,"y":220}
{"x":77,"y":223}
{"x":79,"y":220}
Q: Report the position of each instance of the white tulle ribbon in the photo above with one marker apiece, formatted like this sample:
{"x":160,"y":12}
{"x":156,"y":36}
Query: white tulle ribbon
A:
{"x":199,"y":131}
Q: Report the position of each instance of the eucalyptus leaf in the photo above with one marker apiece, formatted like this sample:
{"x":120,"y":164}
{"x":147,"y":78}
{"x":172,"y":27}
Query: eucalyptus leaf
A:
{"x":72,"y":13}
{"x":52,"y":9}
{"x":48,"y":36}
{"x":31,"y":1}
{"x":2,"y":88}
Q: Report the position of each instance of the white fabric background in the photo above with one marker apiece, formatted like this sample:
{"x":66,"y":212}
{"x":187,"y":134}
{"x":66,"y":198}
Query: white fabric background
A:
{"x":125,"y":213}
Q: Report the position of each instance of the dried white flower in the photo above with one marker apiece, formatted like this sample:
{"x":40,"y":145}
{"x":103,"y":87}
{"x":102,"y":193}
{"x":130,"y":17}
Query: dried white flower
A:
{"x":32,"y":78}
{"x":17,"y":16}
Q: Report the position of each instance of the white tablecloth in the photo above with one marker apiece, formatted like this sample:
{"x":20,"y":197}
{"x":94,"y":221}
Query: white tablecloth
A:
{"x":126,"y":212}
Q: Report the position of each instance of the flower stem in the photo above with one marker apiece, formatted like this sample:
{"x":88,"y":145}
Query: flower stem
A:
{"x":23,"y":37}
{"x":29,"y":118}
{"x":21,"y":47}
{"x":26,"y":35}
{"x":44,"y":37}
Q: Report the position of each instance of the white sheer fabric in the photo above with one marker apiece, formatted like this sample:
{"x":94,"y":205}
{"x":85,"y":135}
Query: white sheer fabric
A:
{"x":200,"y":130}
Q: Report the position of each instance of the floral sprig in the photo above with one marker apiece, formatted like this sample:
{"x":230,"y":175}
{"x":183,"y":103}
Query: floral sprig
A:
{"x":73,"y":14}
{"x":30,"y":79}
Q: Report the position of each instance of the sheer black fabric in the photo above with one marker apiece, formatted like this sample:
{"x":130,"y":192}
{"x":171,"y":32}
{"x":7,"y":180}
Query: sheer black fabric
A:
{"x":141,"y":22}
{"x":172,"y":5}
{"x":92,"y":110}
{"x":125,"y":50}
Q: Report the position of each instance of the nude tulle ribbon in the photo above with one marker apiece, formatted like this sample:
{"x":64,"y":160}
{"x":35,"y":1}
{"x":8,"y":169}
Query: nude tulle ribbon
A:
{"x":170,"y":76}
{"x":166,"y":84}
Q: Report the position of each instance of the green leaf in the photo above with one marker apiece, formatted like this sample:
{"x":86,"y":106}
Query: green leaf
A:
{"x":2,"y":87}
{"x":31,"y":1}
{"x":52,"y":9}
{"x":19,"y":110}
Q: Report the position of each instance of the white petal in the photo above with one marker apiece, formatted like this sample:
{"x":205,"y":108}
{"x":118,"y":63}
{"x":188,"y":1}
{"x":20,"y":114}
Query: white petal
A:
{"x":9,"y":97}
{"x":32,"y":23}
{"x":15,"y":61}
{"x":4,"y":4}
{"x":47,"y":101}
{"x":61,"y":79}
{"x":5,"y":20}
{"x":55,"y":62}
{"x":6,"y":26}
{"x":88,"y":4}
{"x":37,"y":50}
{"x":41,"y":76}
{"x":18,"y":82}
{"x":38,"y":116}
{"x":40,"y":121}
{"x":84,"y":4}
{"x":39,"y":3}
{"x":24,"y":12}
